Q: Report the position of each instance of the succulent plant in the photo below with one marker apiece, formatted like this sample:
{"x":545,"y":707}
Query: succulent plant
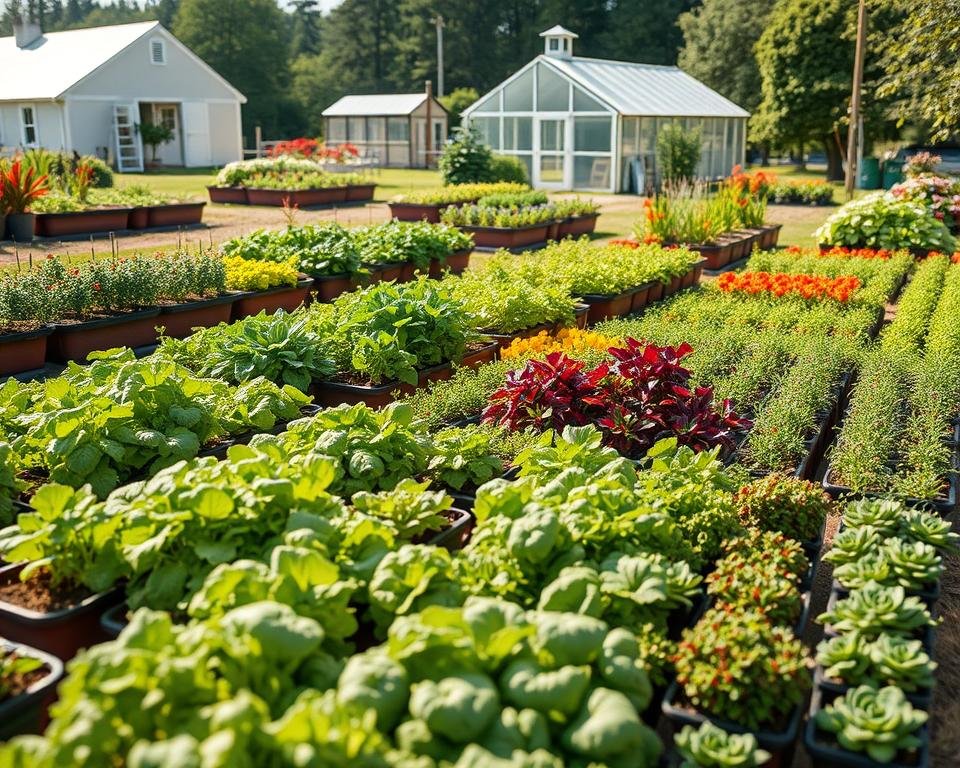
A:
{"x":917,"y":525}
{"x":742,"y":583}
{"x":711,"y":747}
{"x":888,"y":660}
{"x":739,"y":667}
{"x":872,"y":567}
{"x":853,"y":544}
{"x":797,"y":508}
{"x":913,"y":564}
{"x":874,"y":609}
{"x":879,"y":722}
{"x":882,"y":516}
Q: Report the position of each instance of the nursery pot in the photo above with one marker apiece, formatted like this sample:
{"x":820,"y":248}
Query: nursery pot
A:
{"x":76,"y":341}
{"x":26,"y":712}
{"x":21,"y":226}
{"x":24,"y":351}
{"x":179,"y":320}
{"x":456,"y":535}
{"x":61,"y":632}
{"x":329,"y":394}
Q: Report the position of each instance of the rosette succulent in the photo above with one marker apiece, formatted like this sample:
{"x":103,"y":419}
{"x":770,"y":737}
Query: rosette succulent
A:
{"x":711,"y":747}
{"x":888,"y":660}
{"x":875,"y":609}
{"x":880,"y":723}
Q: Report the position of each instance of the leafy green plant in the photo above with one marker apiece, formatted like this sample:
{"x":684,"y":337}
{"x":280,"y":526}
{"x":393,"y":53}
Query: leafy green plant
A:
{"x":14,"y":667}
{"x":711,"y":747}
{"x":507,"y":217}
{"x":407,"y":241}
{"x":881,"y":722}
{"x":279,"y":347}
{"x":465,"y":457}
{"x":873,"y":610}
{"x":10,"y":485}
{"x":318,"y":250}
{"x":888,"y":660}
{"x":463,"y":395}
{"x":409,"y":507}
{"x":453,"y":194}
{"x":465,"y":158}
{"x":678,"y":152}
{"x":740,"y":667}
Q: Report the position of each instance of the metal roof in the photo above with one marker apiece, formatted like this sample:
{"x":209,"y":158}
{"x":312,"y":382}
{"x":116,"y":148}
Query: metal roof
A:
{"x":646,"y":89}
{"x":375,"y":104}
{"x":556,"y":29}
{"x":53,"y":63}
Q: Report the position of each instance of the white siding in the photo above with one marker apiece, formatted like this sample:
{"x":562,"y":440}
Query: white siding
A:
{"x":225,"y":143}
{"x":91,"y":126}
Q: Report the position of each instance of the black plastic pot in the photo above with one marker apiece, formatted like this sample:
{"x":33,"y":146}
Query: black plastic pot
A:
{"x":114,"y":620}
{"x":925,"y":634}
{"x":825,"y":755}
{"x":941,"y":504}
{"x":780,"y":744}
{"x":919,"y":699}
{"x":455,"y":536}
{"x":26,"y":713}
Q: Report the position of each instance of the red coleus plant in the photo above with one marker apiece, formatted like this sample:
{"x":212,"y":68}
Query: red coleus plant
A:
{"x":640,"y":397}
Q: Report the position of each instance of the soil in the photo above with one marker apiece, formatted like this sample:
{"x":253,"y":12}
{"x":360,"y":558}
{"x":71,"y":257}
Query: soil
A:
{"x":19,"y":682}
{"x":36,"y":593}
{"x":18,"y":327}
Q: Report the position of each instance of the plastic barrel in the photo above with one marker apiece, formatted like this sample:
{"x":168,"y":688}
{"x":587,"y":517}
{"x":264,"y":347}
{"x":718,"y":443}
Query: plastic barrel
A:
{"x":892,"y":173}
{"x":869,"y":174}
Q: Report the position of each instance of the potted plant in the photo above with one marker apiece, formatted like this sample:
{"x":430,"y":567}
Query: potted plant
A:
{"x":154,"y":135}
{"x":866,"y":726}
{"x":264,"y":286}
{"x":712,"y":747}
{"x":874,"y":609}
{"x":21,"y":187}
{"x":26,"y":311}
{"x":796,"y":508}
{"x":27,"y":680}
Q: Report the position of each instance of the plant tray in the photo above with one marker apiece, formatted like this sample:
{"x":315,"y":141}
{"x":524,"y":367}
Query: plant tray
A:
{"x":328,"y":287}
{"x":416,"y":212}
{"x":485,"y":354}
{"x":82,"y":222}
{"x":925,"y":635}
{"x":456,"y":263}
{"x":285,"y":297}
{"x":62,"y":632}
{"x":944,"y":504}
{"x":826,"y":755}
{"x":605,"y":306}
{"x":576,"y":226}
{"x":334,"y":393}
{"x":114,"y":620}
{"x":26,"y":712}
{"x":508,"y":237}
{"x":179,"y":320}
{"x":76,"y":341}
{"x":174,"y":215}
{"x":232,"y":195}
{"x":360,"y":193}
{"x":24,"y":351}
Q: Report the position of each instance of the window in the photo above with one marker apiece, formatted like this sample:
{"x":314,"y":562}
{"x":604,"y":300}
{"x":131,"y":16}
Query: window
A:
{"x":337,"y":130}
{"x":158,"y":51}
{"x":168,"y":117}
{"x":554,"y":44}
{"x":591,"y":134}
{"x":518,"y":133}
{"x":518,"y":95}
{"x":553,"y":93}
{"x":490,"y":104}
{"x":376,"y":129}
{"x":584,"y":103}
{"x":398,"y":129}
{"x":28,"y":124}
{"x":356,"y":130}
{"x":489,"y":130}
{"x":591,"y":172}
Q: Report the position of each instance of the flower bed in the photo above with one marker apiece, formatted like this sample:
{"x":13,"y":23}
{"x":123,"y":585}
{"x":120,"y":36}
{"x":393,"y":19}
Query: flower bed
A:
{"x":287,"y":181}
{"x":428,"y":204}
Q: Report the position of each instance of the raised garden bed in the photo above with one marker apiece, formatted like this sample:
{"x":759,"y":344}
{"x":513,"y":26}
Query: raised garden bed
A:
{"x":228,"y":195}
{"x":24,"y":350}
{"x":302,"y":198}
{"x":179,"y":320}
{"x":174,"y":215}
{"x":507,"y":237}
{"x":328,"y":287}
{"x":74,"y":341}
{"x":456,"y":263}
{"x":82,"y":222}
{"x":417,"y":211}
{"x":576,"y":226}
{"x":286,"y":297}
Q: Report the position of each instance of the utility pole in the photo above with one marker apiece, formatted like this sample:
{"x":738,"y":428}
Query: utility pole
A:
{"x":438,"y":21}
{"x":854,"y":137}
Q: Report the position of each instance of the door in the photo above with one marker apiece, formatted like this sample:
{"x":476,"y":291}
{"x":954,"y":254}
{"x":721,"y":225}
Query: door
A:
{"x":168,"y":115}
{"x":552,"y":169}
{"x":196,"y":134}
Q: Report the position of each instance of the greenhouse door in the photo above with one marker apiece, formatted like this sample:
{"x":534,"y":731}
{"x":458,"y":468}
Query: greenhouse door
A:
{"x":552,"y":167}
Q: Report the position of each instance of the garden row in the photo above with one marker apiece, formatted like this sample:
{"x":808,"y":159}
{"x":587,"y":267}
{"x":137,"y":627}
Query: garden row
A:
{"x":288,"y":181}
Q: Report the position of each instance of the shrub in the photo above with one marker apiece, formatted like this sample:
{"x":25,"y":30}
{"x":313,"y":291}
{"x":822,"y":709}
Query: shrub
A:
{"x":797,"y":508}
{"x":506,"y":168}
{"x":678,"y":152}
{"x":465,"y":158}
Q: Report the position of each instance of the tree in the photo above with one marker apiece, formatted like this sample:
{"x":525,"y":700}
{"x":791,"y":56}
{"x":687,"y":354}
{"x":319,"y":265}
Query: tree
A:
{"x":245,"y":41}
{"x":644,"y":30}
{"x":805,"y":56}
{"x":923,"y":65}
{"x":306,"y":27}
{"x":457,"y":101}
{"x":678,"y":152}
{"x":719,"y":38}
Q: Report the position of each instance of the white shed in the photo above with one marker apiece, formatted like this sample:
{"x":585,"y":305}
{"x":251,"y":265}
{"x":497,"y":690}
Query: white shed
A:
{"x":87,"y":90}
{"x":389,"y":127}
{"x":582,"y":123}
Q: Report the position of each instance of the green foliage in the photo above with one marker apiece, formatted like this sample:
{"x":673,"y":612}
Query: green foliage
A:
{"x":465,"y":159}
{"x":888,"y":660}
{"x":154,"y":135}
{"x":880,"y":220}
{"x":466,"y":457}
{"x":756,"y":582}
{"x":463,"y":395}
{"x":317,"y":250}
{"x":506,"y":168}
{"x":873,"y":610}
{"x":742,"y":669}
{"x":10,"y":484}
{"x":409,"y":241}
{"x":678,"y":152}
{"x":456,"y":101}
{"x":797,"y":508}
{"x":881,"y":722}
{"x":711,"y":747}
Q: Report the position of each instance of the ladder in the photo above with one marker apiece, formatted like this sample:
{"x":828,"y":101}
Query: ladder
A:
{"x":128,"y":146}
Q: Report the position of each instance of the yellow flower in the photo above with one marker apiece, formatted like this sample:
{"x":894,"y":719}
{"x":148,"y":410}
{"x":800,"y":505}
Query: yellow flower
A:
{"x":570,"y":341}
{"x":253,"y":275}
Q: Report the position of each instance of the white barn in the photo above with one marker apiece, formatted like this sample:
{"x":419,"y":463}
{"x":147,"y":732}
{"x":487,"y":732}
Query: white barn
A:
{"x":86,"y":90}
{"x":592,"y":124}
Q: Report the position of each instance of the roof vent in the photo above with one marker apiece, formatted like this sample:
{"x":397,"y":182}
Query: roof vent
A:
{"x":558,"y":42}
{"x":26,"y":31}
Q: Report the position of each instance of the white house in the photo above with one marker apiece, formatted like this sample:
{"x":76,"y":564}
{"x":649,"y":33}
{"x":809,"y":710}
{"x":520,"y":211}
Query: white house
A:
{"x":390,"y":127}
{"x":87,"y":90}
{"x":582,"y":123}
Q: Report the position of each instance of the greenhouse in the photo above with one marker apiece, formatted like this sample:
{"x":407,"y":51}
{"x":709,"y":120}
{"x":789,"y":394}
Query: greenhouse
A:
{"x":583,"y":123}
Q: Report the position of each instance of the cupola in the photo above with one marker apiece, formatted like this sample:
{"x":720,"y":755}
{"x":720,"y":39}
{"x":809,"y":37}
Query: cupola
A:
{"x":558,"y":42}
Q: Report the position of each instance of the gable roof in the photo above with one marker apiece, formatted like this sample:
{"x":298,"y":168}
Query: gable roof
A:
{"x":637,"y":90}
{"x":51,"y":65}
{"x":358,"y":105}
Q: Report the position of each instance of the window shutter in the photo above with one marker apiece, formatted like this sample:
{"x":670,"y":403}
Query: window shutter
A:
{"x":158,"y":54}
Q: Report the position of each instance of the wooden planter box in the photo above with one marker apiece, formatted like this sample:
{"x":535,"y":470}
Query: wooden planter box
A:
{"x":62,"y":632}
{"x":328,"y":287}
{"x":360,"y":193}
{"x":24,"y":351}
{"x":286,"y":297}
{"x":179,"y":320}
{"x":175,"y":215}
{"x":82,"y":222}
{"x":578,"y":225}
{"x":76,"y":341}
{"x":507,"y":237}
{"x":231,"y":195}
{"x":416,"y":212}
{"x":26,"y":712}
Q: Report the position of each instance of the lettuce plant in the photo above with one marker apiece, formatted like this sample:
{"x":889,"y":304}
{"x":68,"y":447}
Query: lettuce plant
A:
{"x":880,"y":722}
